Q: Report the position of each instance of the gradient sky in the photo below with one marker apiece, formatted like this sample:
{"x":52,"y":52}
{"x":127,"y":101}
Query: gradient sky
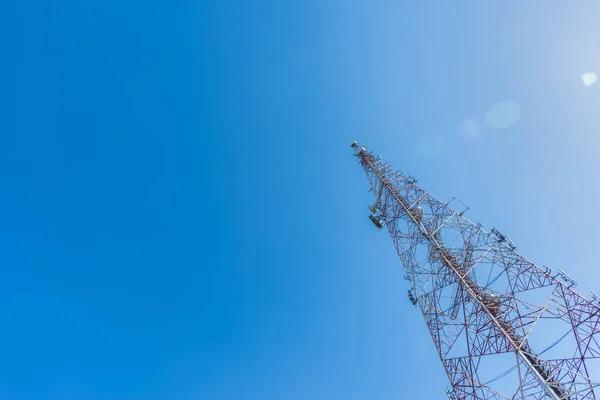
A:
{"x":182,"y":217}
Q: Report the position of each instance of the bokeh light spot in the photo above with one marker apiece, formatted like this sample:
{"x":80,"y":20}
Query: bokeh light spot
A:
{"x":503,"y":114}
{"x":467,"y":130}
{"x":589,"y":78}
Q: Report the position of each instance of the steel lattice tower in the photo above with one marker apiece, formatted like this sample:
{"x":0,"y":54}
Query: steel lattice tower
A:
{"x":504,"y":328}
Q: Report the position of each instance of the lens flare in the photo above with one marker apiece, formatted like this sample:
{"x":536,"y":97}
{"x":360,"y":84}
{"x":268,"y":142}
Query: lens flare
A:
{"x":467,"y":130}
{"x":589,"y":78}
{"x":503,"y":114}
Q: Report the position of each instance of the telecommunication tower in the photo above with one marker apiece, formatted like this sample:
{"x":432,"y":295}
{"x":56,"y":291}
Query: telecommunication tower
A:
{"x":504,"y":328}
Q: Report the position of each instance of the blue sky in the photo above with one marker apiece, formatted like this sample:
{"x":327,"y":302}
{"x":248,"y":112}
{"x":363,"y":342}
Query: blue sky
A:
{"x":182,"y":217}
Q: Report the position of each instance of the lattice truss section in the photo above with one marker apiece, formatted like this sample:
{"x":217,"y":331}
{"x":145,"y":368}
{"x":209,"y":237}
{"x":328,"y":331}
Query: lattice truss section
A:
{"x":504,"y":327}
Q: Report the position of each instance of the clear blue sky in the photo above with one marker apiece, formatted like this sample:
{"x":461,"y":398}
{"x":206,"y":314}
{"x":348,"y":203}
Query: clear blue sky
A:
{"x":182,"y":218}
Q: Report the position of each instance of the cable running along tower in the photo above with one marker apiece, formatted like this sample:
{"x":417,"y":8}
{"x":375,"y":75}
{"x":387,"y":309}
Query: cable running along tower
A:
{"x":504,"y":328}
